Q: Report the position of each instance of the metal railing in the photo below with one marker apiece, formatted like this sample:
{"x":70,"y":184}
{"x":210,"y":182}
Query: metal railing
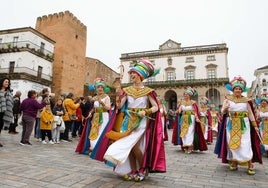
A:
{"x":25,"y":70}
{"x":26,"y":44}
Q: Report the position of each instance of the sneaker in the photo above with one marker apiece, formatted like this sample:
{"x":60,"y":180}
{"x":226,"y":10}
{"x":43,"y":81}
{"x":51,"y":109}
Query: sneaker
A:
{"x":39,"y":140}
{"x":68,"y":140}
{"x":28,"y":143}
{"x":22,"y":144}
{"x":1,"y":145}
{"x":44,"y":142}
{"x":51,"y":142}
{"x":57,"y":142}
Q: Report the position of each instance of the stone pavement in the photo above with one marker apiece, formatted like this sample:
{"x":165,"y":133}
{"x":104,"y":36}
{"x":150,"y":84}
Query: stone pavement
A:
{"x":59,"y":166}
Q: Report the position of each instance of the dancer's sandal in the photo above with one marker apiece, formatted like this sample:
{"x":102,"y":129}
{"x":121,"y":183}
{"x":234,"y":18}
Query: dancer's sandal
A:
{"x":233,"y":168}
{"x":190,"y":151}
{"x":130,"y":176}
{"x":251,"y":170}
{"x":140,"y":177}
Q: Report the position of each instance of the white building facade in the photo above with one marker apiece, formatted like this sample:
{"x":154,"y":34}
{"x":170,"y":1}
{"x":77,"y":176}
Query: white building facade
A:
{"x":260,"y":84}
{"x":204,"y":68}
{"x":26,"y":57}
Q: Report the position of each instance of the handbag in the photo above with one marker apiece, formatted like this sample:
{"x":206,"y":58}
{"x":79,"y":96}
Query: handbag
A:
{"x":57,"y":120}
{"x":73,"y":117}
{"x":62,"y":127}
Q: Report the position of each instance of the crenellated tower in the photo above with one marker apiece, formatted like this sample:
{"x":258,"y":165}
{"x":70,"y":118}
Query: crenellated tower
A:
{"x":69,"y":74}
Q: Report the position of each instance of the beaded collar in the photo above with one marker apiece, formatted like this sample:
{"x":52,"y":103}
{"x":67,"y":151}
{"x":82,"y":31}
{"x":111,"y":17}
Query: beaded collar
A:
{"x":188,"y":103}
{"x":264,"y":109}
{"x":136,"y":93}
{"x":241,"y":99}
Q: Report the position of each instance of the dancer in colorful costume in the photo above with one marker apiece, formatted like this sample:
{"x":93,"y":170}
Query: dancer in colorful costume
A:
{"x":216,"y":120}
{"x":262,"y":114}
{"x":100,"y":118}
{"x":163,"y":112}
{"x":206,"y":120}
{"x":191,"y":134}
{"x":141,"y":148}
{"x":238,"y":142}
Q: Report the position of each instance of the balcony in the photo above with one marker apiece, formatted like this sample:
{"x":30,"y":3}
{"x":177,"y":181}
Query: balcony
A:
{"x":184,"y":83}
{"x":24,"y":73}
{"x":26,"y":46}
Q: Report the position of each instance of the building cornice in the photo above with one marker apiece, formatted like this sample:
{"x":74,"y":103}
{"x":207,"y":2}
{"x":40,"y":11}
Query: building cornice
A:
{"x":184,"y":83}
{"x":184,"y":51}
{"x":26,"y":29}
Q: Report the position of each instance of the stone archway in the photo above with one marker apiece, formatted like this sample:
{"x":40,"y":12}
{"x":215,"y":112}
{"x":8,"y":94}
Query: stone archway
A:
{"x":171,"y":99}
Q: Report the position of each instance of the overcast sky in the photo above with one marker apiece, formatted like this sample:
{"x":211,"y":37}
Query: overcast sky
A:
{"x":123,"y":26}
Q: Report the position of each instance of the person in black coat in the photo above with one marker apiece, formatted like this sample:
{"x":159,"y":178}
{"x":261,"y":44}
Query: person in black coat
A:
{"x":16,"y":113}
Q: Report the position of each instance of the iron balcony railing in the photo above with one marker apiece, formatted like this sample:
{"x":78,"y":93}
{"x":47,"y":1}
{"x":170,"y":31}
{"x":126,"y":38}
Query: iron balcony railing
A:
{"x":5,"y":47}
{"x":25,"y":70}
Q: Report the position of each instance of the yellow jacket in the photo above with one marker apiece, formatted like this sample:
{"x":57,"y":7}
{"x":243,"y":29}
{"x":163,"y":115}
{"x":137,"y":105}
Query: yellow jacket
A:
{"x":46,"y":119}
{"x":70,"y":108}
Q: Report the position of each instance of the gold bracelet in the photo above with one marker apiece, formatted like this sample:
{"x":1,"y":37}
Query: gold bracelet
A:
{"x":148,"y":111}
{"x":254,"y":123}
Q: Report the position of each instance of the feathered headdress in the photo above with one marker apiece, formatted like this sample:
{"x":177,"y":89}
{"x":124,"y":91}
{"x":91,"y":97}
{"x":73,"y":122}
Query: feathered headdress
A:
{"x":204,"y":100}
{"x":264,"y":96}
{"x":191,"y":91}
{"x":98,"y":82}
{"x":237,"y":81}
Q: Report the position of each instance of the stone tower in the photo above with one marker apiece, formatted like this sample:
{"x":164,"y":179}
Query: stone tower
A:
{"x":69,"y":53}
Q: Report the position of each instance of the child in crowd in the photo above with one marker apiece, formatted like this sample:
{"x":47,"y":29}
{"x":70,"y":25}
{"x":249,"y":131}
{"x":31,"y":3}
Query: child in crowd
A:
{"x":46,"y":120}
{"x":58,"y":112}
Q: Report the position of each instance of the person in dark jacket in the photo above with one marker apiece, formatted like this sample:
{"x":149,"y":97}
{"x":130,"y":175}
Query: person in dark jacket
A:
{"x":16,"y":113}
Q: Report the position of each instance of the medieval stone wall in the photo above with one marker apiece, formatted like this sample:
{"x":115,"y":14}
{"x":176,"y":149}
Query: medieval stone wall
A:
{"x":70,"y":35}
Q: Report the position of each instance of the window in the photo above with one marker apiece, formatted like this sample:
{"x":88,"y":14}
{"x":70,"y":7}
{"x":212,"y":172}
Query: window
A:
{"x":264,"y":83}
{"x":11,"y":67}
{"x":39,"y":72}
{"x":15,"y":41}
{"x":264,"y":90}
{"x":211,"y":58}
{"x":42,"y":47}
{"x":170,"y":76}
{"x":151,"y":79}
{"x":189,"y":75}
{"x":211,"y":73}
{"x":189,"y":59}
